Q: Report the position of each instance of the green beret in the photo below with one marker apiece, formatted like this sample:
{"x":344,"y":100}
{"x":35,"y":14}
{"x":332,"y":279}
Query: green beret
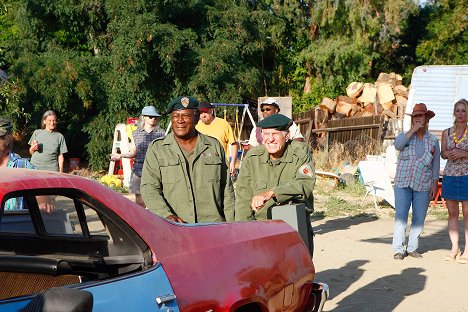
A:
{"x":5,"y":127}
{"x":182,"y":102}
{"x":276,"y":121}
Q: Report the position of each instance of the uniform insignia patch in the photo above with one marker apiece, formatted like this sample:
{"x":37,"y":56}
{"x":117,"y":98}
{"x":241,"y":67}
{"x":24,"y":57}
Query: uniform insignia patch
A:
{"x":185,"y":101}
{"x":306,"y":169}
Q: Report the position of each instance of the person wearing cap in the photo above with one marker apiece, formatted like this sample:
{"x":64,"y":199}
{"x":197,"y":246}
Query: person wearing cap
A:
{"x":268,"y":107}
{"x":185,"y":175}
{"x":416,"y":179}
{"x":12,"y":160}
{"x":279,"y":171}
{"x":147,"y":131}
{"x":47,"y":145}
{"x":220,"y":129}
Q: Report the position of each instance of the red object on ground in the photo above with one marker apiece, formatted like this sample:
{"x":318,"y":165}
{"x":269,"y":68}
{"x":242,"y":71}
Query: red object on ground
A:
{"x":438,"y":195}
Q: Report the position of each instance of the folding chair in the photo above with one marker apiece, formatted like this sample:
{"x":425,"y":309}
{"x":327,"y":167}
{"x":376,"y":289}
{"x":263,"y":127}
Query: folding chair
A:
{"x":377,"y":181}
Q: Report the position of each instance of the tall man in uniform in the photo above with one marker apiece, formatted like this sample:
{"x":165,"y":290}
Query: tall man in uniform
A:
{"x":278,"y":172}
{"x":185,"y":175}
{"x":269,"y":107}
{"x":220,"y":129}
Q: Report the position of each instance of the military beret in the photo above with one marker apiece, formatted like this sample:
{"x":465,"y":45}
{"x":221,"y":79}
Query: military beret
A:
{"x":276,"y":121}
{"x":5,"y":127}
{"x":182,"y":102}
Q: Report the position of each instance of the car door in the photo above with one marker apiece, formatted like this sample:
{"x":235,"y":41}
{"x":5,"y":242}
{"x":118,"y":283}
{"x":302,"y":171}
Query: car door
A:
{"x":81,"y":245}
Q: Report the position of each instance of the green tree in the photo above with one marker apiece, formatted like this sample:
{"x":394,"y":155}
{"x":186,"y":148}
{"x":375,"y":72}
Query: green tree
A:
{"x":352,"y":40}
{"x":97,"y":63}
{"x":446,"y":41}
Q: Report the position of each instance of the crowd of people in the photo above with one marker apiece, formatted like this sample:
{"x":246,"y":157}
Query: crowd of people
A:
{"x":186,"y":175}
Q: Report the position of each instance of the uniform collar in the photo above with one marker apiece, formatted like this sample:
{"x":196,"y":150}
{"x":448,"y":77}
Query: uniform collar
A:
{"x":202,"y":143}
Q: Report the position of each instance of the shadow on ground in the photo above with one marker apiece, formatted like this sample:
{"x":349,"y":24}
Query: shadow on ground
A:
{"x":386,"y":292}
{"x":341,"y":224}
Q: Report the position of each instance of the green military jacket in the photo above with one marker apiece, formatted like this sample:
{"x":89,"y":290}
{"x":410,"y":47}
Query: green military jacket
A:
{"x":292,"y":179}
{"x":167,"y":189}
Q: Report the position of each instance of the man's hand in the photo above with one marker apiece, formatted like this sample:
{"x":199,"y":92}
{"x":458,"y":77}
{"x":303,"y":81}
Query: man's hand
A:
{"x":258,"y":201}
{"x":232,"y":168}
{"x":46,"y":203}
{"x":175,"y":219}
{"x":46,"y":207}
{"x":115,"y":157}
{"x":434,"y":190}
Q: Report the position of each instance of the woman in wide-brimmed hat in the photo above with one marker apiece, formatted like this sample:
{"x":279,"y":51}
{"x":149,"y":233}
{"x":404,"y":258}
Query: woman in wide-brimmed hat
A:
{"x":455,"y":181}
{"x":416,"y":180}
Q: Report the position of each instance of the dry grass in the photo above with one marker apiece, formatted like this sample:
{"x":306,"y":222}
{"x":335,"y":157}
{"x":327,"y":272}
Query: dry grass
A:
{"x":350,"y":152}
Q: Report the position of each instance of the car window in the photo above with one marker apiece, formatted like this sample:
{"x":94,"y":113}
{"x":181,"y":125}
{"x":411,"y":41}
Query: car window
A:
{"x":63,"y":220}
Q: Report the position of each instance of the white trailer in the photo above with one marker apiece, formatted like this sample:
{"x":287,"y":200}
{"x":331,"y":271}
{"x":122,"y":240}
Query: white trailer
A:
{"x":439,"y":87}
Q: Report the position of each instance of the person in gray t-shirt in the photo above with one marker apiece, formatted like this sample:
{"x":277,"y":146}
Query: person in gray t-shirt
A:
{"x":47,"y":146}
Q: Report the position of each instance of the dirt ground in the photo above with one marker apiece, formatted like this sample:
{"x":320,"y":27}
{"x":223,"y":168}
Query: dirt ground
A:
{"x":355,"y":258}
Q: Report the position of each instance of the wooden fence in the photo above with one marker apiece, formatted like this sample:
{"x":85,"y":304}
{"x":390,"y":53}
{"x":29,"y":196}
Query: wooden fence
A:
{"x":339,"y":131}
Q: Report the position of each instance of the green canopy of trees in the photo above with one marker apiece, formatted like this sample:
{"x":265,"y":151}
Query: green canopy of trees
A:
{"x":97,"y":62}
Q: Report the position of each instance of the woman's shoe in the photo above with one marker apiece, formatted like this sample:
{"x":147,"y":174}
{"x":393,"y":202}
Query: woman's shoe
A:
{"x":451,"y":257}
{"x":463,"y":260}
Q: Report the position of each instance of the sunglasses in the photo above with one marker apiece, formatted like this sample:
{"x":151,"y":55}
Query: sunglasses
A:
{"x":151,"y":117}
{"x":266,"y":109}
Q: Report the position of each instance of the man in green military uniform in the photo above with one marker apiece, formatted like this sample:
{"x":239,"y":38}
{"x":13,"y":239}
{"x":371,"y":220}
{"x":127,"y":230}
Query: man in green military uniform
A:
{"x":278,"y":172}
{"x":185,"y":176}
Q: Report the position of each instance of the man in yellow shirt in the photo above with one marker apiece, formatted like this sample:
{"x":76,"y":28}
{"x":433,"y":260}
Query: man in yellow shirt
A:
{"x":219,"y":129}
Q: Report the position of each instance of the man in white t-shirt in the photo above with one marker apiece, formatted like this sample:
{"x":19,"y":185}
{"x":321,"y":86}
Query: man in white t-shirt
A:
{"x":268,"y":107}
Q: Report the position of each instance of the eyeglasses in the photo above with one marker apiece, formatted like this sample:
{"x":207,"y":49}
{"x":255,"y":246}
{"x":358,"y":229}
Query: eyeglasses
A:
{"x":265,"y":109}
{"x":151,"y":117}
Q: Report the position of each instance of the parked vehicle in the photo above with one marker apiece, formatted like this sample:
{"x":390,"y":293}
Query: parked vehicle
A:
{"x":103,"y":250}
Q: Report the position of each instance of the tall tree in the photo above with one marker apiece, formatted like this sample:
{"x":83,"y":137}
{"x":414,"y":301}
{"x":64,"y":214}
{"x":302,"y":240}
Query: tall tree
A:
{"x":446,"y":41}
{"x":352,"y":40}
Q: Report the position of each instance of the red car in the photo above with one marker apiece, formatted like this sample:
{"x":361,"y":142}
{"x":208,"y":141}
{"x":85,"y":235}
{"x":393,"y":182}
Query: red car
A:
{"x":117,"y":256}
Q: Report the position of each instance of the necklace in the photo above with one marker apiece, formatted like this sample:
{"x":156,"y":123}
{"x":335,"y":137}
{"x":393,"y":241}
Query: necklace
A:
{"x":462,"y":137}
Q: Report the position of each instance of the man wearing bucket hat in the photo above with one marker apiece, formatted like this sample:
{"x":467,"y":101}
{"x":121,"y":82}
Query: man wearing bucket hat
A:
{"x":279,"y":171}
{"x":268,"y":107}
{"x":147,"y":131}
{"x":416,"y":180}
{"x":220,"y":129}
{"x":185,"y":175}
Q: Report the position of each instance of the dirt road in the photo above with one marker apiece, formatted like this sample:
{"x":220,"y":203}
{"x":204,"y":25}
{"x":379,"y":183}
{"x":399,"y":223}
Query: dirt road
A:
{"x":354,"y":257}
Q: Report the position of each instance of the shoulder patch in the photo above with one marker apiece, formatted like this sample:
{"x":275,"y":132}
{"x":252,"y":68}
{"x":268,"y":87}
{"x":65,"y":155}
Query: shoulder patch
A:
{"x":306,"y":169}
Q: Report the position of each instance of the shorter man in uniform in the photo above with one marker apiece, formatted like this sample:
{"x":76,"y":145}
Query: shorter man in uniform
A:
{"x":278,"y":172}
{"x":269,"y":107}
{"x":185,"y":175}
{"x":220,"y":129}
